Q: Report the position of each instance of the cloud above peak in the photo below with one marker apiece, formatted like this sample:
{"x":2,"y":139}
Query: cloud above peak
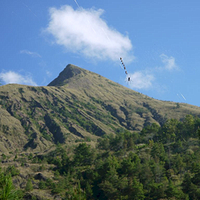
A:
{"x":83,"y":31}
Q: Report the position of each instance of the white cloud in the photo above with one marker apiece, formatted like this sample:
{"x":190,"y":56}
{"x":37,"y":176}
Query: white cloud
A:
{"x":148,"y":78}
{"x":169,"y":62}
{"x":84,"y":31}
{"x":13,"y":77}
{"x":141,"y":80}
{"x":33,"y":54}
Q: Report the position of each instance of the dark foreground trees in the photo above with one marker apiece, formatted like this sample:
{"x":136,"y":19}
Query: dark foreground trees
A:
{"x":7,"y":191}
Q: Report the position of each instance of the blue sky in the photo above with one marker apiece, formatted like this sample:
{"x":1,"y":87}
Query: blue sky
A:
{"x":159,"y":41}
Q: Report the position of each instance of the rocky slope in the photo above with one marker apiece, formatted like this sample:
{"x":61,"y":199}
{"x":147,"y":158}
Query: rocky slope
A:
{"x":77,"y":105}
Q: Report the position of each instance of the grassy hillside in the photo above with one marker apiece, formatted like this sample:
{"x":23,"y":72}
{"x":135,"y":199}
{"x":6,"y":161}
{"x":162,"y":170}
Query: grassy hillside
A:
{"x":77,"y":106}
{"x":69,"y":139}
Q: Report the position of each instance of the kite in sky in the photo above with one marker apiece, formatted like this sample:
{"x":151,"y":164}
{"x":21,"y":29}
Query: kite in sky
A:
{"x":129,"y":78}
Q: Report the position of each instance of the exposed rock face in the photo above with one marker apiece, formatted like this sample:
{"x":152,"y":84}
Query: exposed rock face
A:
{"x":40,"y":177}
{"x":70,"y":71}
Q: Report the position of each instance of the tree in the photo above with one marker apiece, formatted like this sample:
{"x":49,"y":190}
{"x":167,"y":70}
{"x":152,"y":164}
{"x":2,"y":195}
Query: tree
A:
{"x":196,"y":177}
{"x":42,"y":185}
{"x":158,"y":171}
{"x":178,"y":164}
{"x":158,"y":151}
{"x":7,"y":190}
{"x":146,"y":175}
{"x":83,"y":155}
{"x":171,"y":191}
{"x":187,"y":186}
{"x":12,"y":171}
{"x":108,"y":166}
{"x":109,"y":190}
{"x":168,"y":131}
{"x":103,"y":143}
{"x":135,"y":190}
{"x":88,"y":190}
{"x":75,"y":193}
{"x":127,"y":167}
{"x":155,"y":191}
{"x":188,"y":128}
{"x":29,"y":185}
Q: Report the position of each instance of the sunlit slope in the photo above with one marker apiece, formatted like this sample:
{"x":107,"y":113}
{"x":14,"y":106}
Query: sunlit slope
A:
{"x":77,"y":105}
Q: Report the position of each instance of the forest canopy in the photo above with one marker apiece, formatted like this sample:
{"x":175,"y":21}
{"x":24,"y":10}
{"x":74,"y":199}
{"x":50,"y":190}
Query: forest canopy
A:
{"x":160,"y":162}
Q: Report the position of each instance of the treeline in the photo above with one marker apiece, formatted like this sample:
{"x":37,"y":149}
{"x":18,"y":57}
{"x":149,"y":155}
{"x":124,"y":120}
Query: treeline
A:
{"x":157,"y":163}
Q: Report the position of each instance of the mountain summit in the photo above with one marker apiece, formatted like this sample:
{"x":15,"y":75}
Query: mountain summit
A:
{"x":64,"y":77}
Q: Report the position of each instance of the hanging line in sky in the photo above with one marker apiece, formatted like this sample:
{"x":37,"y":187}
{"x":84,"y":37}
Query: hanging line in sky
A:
{"x":129,"y":78}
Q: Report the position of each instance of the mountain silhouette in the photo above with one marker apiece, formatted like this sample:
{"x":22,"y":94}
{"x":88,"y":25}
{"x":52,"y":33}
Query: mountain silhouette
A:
{"x":77,"y":105}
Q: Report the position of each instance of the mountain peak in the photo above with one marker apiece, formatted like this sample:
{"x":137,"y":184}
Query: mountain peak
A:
{"x":69,"y":72}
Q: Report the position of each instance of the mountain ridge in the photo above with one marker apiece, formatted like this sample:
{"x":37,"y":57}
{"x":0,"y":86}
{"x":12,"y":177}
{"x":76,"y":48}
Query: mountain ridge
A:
{"x":78,"y":105}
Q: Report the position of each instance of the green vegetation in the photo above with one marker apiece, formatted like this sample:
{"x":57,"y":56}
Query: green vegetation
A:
{"x":85,"y":137}
{"x":165,"y":167}
{"x":29,"y":186}
{"x":85,"y":106}
{"x":7,"y":191}
{"x":125,"y":166}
